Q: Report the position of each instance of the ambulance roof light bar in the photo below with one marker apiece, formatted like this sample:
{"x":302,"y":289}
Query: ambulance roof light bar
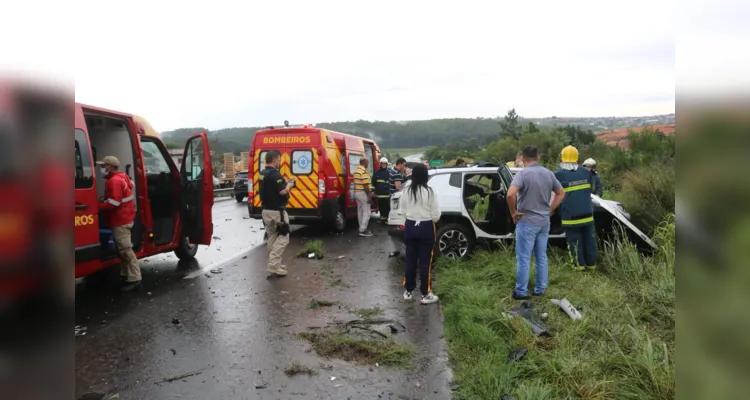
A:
{"x":286,"y":125}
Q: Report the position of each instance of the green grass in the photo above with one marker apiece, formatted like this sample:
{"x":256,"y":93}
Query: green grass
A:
{"x":333,"y":344}
{"x":297,"y":369}
{"x":312,"y":246}
{"x":315,"y":304}
{"x":369,"y":312}
{"x":623,"y":348}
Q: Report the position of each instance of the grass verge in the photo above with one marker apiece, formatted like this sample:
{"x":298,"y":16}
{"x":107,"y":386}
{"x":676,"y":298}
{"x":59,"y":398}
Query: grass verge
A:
{"x":623,"y":348}
{"x":298,"y":369}
{"x":315,"y":304}
{"x":312,"y":246}
{"x":339,"y":345}
{"x":369,"y":312}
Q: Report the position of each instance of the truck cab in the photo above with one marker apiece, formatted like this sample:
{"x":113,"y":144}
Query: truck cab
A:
{"x":173,"y":206}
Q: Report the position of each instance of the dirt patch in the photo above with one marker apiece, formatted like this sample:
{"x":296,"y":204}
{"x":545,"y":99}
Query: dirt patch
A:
{"x":315,"y":304}
{"x":331,"y":277}
{"x":385,"y":351}
{"x":299,"y":369}
{"x":369,"y":312}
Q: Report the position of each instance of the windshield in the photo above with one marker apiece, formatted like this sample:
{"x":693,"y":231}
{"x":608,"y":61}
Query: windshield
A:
{"x":242,"y":175}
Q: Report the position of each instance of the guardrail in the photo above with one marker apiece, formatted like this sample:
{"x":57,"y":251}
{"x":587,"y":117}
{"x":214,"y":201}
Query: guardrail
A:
{"x":223,"y":192}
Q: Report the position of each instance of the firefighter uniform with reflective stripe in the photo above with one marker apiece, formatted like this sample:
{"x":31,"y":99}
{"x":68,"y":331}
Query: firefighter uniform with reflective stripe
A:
{"x":120,"y":212}
{"x":381,"y":181}
{"x":577,"y":215}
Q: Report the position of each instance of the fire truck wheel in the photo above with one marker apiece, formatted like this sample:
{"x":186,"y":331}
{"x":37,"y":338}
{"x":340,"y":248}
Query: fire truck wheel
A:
{"x":186,"y":250}
{"x":339,"y":222}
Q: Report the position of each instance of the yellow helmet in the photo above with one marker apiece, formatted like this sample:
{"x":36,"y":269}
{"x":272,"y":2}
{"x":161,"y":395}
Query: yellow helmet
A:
{"x":569,"y":154}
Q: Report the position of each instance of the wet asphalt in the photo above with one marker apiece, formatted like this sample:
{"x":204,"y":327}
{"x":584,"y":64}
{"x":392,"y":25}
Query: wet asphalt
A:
{"x":215,"y":328}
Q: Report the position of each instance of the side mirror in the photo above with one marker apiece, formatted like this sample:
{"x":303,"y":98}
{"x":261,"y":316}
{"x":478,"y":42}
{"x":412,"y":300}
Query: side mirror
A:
{"x":141,"y":129}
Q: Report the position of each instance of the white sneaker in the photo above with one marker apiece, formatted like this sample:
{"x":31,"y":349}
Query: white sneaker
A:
{"x":429,"y":299}
{"x":365,"y":234}
{"x":408,"y":296}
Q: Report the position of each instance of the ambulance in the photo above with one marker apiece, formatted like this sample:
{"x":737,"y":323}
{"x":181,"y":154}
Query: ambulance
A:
{"x":173,"y":205}
{"x":322,"y":162}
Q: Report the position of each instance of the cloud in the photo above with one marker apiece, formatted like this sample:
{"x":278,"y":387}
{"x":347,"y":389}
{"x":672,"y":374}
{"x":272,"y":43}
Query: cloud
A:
{"x":231,"y":63}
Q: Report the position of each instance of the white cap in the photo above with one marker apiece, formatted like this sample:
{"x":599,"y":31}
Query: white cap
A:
{"x":589,"y":161}
{"x":384,"y":160}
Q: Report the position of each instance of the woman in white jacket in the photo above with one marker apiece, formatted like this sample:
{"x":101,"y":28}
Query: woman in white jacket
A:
{"x":422,"y":213}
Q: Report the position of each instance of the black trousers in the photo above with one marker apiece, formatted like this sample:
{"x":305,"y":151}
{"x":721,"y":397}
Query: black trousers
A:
{"x":419,"y":238}
{"x":384,"y":204}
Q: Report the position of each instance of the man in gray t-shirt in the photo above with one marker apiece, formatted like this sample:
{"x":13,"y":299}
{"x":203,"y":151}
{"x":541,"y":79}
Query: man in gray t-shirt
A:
{"x":529,"y":201}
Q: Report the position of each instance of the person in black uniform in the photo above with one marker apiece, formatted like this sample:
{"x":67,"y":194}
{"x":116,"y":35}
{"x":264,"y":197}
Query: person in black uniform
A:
{"x":381,"y":183}
{"x":274,"y":195}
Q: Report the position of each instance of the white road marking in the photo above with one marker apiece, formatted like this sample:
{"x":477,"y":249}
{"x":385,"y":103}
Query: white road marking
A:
{"x":227,"y":260}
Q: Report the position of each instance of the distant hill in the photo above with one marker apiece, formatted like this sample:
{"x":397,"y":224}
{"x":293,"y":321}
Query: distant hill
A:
{"x":418,"y":134}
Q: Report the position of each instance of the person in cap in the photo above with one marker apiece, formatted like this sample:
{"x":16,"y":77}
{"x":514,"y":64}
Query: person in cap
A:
{"x":119,"y":207}
{"x":577,"y":211}
{"x":381,"y":182}
{"x":363,"y":195}
{"x":596,"y":182}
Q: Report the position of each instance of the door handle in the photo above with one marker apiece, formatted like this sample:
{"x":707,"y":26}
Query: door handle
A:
{"x":81,"y":206}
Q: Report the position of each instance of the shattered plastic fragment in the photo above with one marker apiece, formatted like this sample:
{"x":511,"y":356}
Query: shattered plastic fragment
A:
{"x":569,"y":309}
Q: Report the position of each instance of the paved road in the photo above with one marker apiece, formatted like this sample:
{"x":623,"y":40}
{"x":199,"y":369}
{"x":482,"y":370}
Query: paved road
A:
{"x":236,"y":329}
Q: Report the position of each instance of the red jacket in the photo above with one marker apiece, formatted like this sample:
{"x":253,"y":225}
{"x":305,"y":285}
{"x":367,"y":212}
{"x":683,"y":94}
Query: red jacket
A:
{"x":119,"y":199}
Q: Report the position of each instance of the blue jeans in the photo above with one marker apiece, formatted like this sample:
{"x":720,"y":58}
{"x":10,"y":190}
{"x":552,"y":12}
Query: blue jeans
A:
{"x":531,"y":239}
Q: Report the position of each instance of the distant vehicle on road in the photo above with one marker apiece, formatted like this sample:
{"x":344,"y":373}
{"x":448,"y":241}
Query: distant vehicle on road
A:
{"x":323,"y":163}
{"x":458,"y":231}
{"x":240,"y":185}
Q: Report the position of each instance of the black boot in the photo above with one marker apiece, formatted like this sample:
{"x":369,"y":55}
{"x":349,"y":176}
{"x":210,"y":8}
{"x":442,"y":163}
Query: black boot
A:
{"x":130,"y":286}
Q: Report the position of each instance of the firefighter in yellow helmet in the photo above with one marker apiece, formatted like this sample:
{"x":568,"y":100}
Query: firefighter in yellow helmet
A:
{"x":577,"y":211}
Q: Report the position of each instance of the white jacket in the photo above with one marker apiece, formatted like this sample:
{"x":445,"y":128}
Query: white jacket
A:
{"x":423,"y":208}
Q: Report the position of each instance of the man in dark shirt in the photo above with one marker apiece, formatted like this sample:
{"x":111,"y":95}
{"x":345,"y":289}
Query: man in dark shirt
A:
{"x":397,"y":177}
{"x":274,"y":195}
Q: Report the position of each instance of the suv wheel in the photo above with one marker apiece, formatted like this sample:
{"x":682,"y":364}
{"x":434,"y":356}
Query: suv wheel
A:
{"x":454,"y":241}
{"x":239,"y":198}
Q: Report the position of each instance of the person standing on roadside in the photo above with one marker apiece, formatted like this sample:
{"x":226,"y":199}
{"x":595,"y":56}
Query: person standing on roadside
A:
{"x":363,"y":196}
{"x":381,"y":180}
{"x":422,"y":213}
{"x":596,"y":182}
{"x":530,"y":206}
{"x":577,"y":211}
{"x":397,"y":177}
{"x":119,"y":205}
{"x":274,"y":195}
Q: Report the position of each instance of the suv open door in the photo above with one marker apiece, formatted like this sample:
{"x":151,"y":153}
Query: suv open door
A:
{"x":197,"y":190}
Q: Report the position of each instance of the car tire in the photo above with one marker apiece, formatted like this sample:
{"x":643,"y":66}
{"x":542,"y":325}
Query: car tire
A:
{"x":339,"y":220}
{"x":186,"y":250}
{"x":239,"y":198}
{"x":454,"y":241}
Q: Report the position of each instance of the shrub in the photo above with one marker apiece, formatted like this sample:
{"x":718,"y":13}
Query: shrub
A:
{"x":648,"y":193}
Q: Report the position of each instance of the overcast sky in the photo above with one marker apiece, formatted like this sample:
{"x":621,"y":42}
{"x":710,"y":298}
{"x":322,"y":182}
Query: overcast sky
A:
{"x":223,"y":64}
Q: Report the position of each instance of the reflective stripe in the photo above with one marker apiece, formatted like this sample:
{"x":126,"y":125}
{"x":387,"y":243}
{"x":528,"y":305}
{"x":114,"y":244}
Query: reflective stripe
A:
{"x":127,"y":199}
{"x":578,"y":221}
{"x":113,"y":202}
{"x":381,"y":181}
{"x":383,"y":196}
{"x":578,"y":187}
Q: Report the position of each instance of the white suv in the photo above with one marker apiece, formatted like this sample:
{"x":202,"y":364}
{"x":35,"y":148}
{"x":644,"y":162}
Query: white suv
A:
{"x":473,"y":206}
